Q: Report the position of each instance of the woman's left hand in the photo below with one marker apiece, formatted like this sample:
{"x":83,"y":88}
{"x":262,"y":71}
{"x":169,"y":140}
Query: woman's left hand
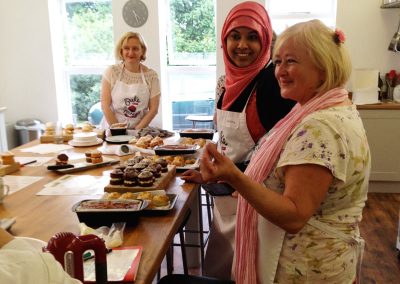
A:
{"x":216,"y":167}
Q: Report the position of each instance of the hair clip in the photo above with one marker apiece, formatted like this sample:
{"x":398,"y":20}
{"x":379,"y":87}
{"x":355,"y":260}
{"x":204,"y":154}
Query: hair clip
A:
{"x":339,"y":37}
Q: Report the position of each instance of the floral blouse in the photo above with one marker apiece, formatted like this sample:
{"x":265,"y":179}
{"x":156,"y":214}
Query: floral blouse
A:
{"x":333,"y":138}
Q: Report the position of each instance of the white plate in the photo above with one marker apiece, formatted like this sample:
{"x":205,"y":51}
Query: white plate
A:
{"x":85,"y":144}
{"x":36,"y":243}
{"x":119,"y":139}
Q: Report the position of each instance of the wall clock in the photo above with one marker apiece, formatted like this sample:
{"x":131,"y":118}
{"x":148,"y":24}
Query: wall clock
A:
{"x":135,"y":13}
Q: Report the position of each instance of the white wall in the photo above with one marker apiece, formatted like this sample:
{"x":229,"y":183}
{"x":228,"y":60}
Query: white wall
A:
{"x":27,"y":85}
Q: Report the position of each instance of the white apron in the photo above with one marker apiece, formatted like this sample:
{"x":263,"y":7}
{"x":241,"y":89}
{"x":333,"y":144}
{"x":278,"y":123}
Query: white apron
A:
{"x":236,"y":143}
{"x":271,"y":245}
{"x":129,"y":102}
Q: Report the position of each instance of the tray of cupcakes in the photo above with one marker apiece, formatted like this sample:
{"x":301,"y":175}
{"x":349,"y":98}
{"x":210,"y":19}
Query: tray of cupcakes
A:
{"x":140,"y":174}
{"x":93,"y":159}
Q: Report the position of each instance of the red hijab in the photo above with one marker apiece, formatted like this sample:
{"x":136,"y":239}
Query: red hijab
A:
{"x":251,"y":15}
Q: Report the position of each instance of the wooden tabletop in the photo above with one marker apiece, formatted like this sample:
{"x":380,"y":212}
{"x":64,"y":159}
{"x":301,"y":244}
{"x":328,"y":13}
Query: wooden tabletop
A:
{"x":43,"y":216}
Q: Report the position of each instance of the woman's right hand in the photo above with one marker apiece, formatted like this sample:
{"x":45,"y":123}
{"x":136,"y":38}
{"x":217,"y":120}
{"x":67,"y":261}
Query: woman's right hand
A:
{"x":192,"y":176}
{"x":215,"y":167}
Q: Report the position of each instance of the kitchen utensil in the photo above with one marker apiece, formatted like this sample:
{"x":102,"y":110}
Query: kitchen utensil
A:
{"x":69,"y":250}
{"x":394,"y":43}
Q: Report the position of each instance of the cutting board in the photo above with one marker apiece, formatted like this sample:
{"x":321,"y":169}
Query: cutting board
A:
{"x":160,"y":183}
{"x":8,"y":169}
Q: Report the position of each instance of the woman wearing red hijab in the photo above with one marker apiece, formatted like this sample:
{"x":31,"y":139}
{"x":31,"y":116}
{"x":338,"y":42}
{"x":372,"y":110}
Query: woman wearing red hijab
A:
{"x":248,"y":104}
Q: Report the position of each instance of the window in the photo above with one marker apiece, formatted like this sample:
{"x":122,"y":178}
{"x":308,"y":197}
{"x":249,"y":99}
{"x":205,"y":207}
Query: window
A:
{"x":285,"y":13}
{"x":191,"y":59}
{"x":87,"y":43}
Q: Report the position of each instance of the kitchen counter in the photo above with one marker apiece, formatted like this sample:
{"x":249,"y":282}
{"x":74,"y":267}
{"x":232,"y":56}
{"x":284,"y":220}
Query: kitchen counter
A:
{"x":380,"y":106}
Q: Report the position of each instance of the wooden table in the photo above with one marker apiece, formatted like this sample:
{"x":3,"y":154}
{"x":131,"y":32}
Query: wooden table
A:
{"x":43,"y":216}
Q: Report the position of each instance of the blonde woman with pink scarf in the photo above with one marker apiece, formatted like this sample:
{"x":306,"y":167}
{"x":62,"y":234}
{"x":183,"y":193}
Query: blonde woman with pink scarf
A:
{"x":302,"y":195}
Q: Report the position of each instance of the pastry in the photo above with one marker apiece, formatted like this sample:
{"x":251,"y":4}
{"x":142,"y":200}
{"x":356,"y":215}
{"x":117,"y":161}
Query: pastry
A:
{"x":153,"y":170}
{"x":86,"y":127}
{"x":7,"y":158}
{"x":62,"y":159}
{"x":145,"y":195}
{"x":200,"y":141}
{"x":69,"y":129}
{"x":178,"y":161}
{"x":113,"y":195}
{"x":120,"y":167}
{"x":146,"y":178}
{"x":156,"y":141}
{"x":96,"y":156}
{"x":128,"y":195}
{"x":130,"y":178}
{"x":163,"y":163}
{"x":116,"y":177}
{"x":160,"y":200}
{"x":50,"y":129}
{"x":139,"y":167}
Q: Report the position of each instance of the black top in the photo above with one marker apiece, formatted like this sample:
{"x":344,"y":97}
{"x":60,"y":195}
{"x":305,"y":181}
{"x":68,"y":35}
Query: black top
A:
{"x":271,"y":107}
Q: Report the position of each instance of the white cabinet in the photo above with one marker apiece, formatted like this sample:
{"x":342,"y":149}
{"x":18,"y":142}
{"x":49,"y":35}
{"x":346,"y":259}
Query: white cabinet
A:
{"x":3,"y":135}
{"x":383,"y":132}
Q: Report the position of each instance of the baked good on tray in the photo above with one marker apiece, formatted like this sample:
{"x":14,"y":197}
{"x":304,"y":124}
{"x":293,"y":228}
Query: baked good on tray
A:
{"x":116,"y":177}
{"x":146,"y":178}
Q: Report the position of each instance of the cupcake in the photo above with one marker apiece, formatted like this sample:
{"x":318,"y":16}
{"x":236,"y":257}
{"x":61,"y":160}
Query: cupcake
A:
{"x":153,"y":170}
{"x":146,"y":178}
{"x":163,"y":163}
{"x":140,"y":167}
{"x":62,"y":159}
{"x":116,"y":177}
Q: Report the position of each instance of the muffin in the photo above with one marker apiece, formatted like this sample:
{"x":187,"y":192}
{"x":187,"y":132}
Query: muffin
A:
{"x":130,"y":178}
{"x":116,"y":177}
{"x":146,"y":178}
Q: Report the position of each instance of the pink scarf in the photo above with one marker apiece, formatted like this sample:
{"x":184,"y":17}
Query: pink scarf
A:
{"x":251,"y":15}
{"x":259,"y":168}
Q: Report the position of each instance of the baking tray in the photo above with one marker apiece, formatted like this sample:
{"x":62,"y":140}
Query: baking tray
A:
{"x":149,"y":210}
{"x":197,"y":133}
{"x":105,"y":217}
{"x":164,"y":150}
{"x":82,"y":165}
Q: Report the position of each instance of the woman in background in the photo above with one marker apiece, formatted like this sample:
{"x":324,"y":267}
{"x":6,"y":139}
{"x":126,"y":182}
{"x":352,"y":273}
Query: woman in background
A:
{"x":130,"y":91}
{"x":302,"y":195}
{"x":248,"y":104}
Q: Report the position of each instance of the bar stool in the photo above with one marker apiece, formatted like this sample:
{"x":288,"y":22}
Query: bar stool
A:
{"x":170,"y":253}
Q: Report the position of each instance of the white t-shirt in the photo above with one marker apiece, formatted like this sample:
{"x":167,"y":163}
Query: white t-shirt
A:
{"x":20,"y":263}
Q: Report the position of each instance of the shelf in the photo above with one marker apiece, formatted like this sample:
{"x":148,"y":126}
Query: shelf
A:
{"x":391,"y":5}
